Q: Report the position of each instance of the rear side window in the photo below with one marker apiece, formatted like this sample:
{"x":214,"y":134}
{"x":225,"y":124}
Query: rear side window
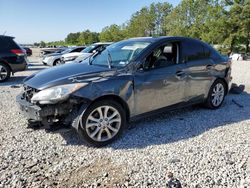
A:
{"x":192,"y":50}
{"x":207,"y":52}
{"x":1,"y":45}
{"x":7,"y":43}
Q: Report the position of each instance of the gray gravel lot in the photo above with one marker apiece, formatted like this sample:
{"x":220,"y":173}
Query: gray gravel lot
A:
{"x":203,"y":148}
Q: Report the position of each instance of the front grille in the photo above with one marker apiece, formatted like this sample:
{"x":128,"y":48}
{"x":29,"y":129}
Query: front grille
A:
{"x":28,"y":92}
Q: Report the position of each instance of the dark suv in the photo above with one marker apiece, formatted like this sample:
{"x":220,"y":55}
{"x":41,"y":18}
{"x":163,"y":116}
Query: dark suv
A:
{"x":12,"y":57}
{"x":127,"y":80}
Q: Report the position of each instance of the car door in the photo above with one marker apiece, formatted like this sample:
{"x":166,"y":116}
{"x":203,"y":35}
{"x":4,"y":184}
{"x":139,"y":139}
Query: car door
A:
{"x":159,"y":87}
{"x":198,"y":69}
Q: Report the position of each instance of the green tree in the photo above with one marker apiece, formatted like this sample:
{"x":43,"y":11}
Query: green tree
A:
{"x":188,"y":18}
{"x":72,"y":38}
{"x":112,"y":33}
{"x":149,"y":20}
{"x":238,"y":23}
{"x":42,"y":44}
{"x":87,"y":37}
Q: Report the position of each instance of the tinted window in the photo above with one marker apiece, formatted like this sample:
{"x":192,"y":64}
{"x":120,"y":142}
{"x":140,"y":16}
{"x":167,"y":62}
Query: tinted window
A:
{"x":77,"y":50}
{"x":192,"y":50}
{"x":8,"y":43}
{"x":207,"y":52}
{"x":215,"y":55}
{"x":1,"y":45}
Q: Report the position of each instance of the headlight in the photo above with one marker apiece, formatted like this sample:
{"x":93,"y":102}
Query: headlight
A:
{"x":54,"y":94}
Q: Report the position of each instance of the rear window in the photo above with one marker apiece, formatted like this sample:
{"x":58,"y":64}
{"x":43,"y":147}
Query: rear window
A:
{"x":7,"y":43}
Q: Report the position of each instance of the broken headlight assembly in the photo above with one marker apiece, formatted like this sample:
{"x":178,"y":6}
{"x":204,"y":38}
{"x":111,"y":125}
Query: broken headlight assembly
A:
{"x":55,"y":94}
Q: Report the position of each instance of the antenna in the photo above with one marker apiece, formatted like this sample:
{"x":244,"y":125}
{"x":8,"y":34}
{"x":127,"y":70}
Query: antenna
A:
{"x":4,"y":32}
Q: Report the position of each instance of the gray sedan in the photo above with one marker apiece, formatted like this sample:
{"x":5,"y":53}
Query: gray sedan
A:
{"x":129,"y":79}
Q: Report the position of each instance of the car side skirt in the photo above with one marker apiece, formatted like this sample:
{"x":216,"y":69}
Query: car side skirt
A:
{"x":197,"y":100}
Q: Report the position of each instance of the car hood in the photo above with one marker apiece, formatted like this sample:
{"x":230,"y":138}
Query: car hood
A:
{"x":76,"y":54}
{"x":53,"y":54}
{"x":65,"y":74}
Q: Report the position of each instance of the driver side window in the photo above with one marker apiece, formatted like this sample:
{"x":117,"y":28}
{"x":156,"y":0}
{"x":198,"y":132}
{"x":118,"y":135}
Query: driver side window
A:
{"x":163,"y":56}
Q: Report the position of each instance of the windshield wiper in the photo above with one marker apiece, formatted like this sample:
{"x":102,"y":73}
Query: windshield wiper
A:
{"x":109,"y":59}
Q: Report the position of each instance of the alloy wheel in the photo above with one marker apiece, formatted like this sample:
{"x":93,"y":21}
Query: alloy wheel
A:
{"x":103,"y":123}
{"x":218,"y":94}
{"x":3,"y":72}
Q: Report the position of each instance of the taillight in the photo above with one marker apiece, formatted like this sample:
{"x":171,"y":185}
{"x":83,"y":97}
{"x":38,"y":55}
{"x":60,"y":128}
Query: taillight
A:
{"x":18,"y":52}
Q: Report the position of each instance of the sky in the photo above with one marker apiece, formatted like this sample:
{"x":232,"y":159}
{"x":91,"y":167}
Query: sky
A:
{"x":32,"y":21}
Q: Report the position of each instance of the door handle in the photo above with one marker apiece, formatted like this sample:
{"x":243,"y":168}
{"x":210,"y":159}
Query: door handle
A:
{"x":209,"y":67}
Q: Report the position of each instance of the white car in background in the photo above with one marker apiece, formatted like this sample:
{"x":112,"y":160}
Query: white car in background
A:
{"x":236,"y":57}
{"x":55,"y":58}
{"x":84,"y":54}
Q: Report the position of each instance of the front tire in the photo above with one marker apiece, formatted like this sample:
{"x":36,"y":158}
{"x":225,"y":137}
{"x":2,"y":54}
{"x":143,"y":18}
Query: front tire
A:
{"x":57,"y":62}
{"x":102,"y":123}
{"x":4,"y":72}
{"x":216,"y":95}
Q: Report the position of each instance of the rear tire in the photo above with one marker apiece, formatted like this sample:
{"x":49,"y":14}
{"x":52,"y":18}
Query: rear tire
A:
{"x":4,"y":72}
{"x":216,"y":95}
{"x":101,"y":123}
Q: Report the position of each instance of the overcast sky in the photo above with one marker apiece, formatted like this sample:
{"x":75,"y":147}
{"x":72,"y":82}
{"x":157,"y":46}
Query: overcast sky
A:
{"x":50,"y":20}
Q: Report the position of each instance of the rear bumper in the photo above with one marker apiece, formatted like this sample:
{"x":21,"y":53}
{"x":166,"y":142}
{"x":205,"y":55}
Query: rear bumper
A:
{"x":19,"y":66}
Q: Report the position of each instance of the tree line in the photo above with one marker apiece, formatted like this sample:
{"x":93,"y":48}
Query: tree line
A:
{"x":219,"y":22}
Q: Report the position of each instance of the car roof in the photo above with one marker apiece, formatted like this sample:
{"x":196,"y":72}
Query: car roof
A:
{"x":75,"y":47}
{"x":157,"y":39}
{"x":102,"y":43}
{"x":7,"y":36}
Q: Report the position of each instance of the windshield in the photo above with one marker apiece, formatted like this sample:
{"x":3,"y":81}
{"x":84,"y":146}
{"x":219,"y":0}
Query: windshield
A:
{"x":66,"y":51}
{"x":89,"y":49}
{"x":80,"y":58}
{"x":119,"y":54}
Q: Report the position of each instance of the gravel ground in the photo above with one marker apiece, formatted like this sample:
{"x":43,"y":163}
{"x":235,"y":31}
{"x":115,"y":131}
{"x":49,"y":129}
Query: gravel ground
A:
{"x":201,"y":147}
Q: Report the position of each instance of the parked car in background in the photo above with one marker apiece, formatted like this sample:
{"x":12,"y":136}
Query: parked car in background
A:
{"x":12,"y":57}
{"x":129,"y":79}
{"x":237,"y":57}
{"x":28,"y":51}
{"x":79,"y":59}
{"x":55,"y":58}
{"x":46,"y":51}
{"x":88,"y":51}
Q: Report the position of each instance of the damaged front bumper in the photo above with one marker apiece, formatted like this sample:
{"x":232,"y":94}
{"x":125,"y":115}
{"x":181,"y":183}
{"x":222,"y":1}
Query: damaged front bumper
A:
{"x":45,"y":113}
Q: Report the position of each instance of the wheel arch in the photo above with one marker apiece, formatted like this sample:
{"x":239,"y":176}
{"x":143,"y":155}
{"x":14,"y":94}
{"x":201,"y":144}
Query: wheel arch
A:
{"x":116,"y":98}
{"x":6,"y":63}
{"x":225,"y":83}
{"x":54,"y":62}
